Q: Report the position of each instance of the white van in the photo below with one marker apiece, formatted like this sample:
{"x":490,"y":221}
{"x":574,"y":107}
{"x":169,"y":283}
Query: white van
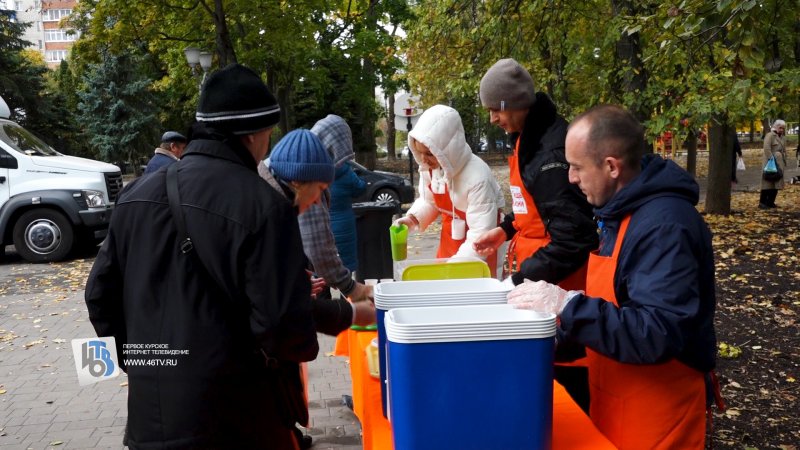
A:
{"x":50,"y":202}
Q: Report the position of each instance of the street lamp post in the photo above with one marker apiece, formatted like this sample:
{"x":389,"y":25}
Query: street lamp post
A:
{"x":406,"y":113}
{"x":198,"y":60}
{"x":410,"y":112}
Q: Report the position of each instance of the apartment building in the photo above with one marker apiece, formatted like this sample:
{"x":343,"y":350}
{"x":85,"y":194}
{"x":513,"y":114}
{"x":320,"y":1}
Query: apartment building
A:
{"x":45,"y":32}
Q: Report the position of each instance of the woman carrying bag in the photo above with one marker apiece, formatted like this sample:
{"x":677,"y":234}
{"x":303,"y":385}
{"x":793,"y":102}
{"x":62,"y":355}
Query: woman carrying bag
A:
{"x":774,"y":147}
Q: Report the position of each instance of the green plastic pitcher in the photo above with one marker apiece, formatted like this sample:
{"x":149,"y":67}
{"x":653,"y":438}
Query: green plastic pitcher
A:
{"x":398,"y":235}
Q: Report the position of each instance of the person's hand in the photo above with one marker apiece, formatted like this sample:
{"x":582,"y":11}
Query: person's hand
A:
{"x":361,"y":293}
{"x":540,"y":296}
{"x":317,"y":284}
{"x":488,"y":242}
{"x":363,"y":313}
{"x":409,"y":221}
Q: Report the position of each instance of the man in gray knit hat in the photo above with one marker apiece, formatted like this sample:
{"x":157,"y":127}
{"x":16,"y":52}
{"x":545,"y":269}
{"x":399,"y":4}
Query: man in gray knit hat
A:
{"x":550,"y":228}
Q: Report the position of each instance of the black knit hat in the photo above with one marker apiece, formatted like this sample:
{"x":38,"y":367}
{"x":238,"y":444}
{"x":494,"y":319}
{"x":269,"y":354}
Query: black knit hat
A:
{"x":235,"y":100}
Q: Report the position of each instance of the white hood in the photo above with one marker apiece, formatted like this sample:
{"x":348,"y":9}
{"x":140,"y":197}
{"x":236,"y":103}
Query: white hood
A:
{"x":73,"y":163}
{"x":440,"y":129}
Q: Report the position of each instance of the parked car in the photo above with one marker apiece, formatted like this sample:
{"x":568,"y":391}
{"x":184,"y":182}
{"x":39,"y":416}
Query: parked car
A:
{"x":51,"y":203}
{"x":499,"y":144}
{"x":383,"y":187}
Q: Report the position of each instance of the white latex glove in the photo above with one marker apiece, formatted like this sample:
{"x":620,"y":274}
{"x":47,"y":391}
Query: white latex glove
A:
{"x":509,"y":283}
{"x":360,"y":293}
{"x":540,"y":296}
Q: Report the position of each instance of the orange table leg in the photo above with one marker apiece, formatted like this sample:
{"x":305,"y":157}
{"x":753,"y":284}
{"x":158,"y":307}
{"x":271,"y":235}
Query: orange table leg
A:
{"x":342,"y":346}
{"x":376,"y":430}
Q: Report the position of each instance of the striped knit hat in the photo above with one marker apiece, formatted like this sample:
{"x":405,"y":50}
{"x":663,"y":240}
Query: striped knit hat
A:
{"x":235,"y":100}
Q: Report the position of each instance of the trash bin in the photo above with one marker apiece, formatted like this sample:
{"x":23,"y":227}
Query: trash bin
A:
{"x":373,"y":220}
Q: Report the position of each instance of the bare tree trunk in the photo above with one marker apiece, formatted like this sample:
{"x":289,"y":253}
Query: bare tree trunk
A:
{"x":628,"y":56}
{"x":364,"y":142}
{"x":691,"y":152}
{"x":720,"y":159}
{"x":282,"y":95}
{"x":797,"y":59}
{"x":390,"y":130}
{"x":225,"y":51}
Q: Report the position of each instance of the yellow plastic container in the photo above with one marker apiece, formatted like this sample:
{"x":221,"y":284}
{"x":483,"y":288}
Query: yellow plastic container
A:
{"x":372,"y":359}
{"x":446,"y":271}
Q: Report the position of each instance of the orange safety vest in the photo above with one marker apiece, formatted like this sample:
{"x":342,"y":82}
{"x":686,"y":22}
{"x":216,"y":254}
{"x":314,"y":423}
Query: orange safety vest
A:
{"x":638,"y":406}
{"x":447,"y":245}
{"x":531,"y":233}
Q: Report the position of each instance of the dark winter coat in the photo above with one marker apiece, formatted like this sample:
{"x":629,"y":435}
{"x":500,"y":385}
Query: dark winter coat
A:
{"x":774,"y":145}
{"x":562,"y":206}
{"x":331,"y":316}
{"x":253,"y":300}
{"x":162,"y":158}
{"x":664,"y":282}
{"x":344,"y":188}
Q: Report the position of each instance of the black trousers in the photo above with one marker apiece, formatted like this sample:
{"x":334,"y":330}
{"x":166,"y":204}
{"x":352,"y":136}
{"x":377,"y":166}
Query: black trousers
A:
{"x":768,"y":196}
{"x":575,"y":380}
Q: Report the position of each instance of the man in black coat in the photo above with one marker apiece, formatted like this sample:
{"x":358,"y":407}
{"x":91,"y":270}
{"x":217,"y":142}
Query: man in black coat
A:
{"x":228,"y":311}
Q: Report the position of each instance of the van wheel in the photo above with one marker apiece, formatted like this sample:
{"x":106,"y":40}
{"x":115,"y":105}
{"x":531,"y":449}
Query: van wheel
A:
{"x":43,"y":235}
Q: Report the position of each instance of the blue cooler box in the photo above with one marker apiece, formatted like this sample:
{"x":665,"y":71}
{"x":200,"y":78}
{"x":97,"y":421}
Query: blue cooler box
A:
{"x":482,"y":387}
{"x":469,"y":291}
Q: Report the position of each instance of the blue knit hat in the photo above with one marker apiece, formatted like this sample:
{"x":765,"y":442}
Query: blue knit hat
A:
{"x":300,"y":156}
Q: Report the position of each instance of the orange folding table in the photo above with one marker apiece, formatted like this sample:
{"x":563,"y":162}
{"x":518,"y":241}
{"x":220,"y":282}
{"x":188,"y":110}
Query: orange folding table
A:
{"x":572,"y":428}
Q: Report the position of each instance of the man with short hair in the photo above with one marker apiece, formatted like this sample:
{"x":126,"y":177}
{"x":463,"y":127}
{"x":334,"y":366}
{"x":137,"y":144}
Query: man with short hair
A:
{"x":170,"y":150}
{"x":236,"y":301}
{"x":647,"y":317}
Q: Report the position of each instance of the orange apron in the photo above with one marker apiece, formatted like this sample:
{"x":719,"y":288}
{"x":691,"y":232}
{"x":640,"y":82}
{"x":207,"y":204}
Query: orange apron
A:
{"x":447,"y":245}
{"x":531,"y":233}
{"x":531,"y":236}
{"x":650,"y":406}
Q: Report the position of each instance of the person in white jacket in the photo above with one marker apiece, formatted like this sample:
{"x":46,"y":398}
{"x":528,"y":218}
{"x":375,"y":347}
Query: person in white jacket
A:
{"x":454,"y":183}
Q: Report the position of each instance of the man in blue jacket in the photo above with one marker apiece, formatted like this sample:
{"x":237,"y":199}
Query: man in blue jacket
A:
{"x":647,"y":317}
{"x":170,"y":150}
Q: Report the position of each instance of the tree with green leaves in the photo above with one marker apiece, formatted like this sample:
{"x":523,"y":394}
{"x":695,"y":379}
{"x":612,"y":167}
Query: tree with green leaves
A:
{"x":317,"y":57}
{"x":678,"y":66}
{"x":117,"y":110}
{"x":24,"y":86}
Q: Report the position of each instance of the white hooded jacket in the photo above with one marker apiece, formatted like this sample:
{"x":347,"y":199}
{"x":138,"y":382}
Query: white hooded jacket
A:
{"x":469,"y":180}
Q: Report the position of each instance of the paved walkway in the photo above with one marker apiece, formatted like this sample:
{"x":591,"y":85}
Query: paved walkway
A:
{"x":43,"y":407}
